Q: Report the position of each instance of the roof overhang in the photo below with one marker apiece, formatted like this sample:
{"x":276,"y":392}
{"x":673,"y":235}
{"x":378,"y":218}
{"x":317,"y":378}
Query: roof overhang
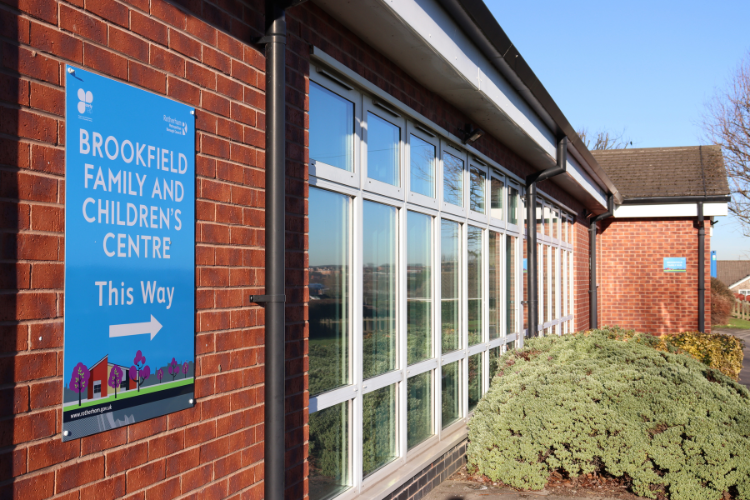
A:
{"x":431,"y":38}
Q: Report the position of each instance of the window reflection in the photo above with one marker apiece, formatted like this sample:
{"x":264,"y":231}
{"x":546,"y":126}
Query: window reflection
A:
{"x":331,"y":131}
{"x":453,"y":180}
{"x":383,"y":140}
{"x":450,"y":393}
{"x":421,"y":167}
{"x":450,"y":284}
{"x":379,"y":289}
{"x":419,"y":409}
{"x":378,"y":429}
{"x":328,"y":457}
{"x":495,"y":354}
{"x":476,"y":189}
{"x":329,"y":290}
{"x":419,"y":287}
{"x":513,"y":212}
{"x":476,"y":284}
{"x":476,"y":386}
{"x":510,"y":284}
{"x":496,"y":195}
{"x":495,"y":276}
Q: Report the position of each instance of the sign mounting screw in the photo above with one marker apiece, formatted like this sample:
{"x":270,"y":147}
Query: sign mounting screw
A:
{"x":191,"y":401}
{"x":71,"y":70}
{"x":66,"y":433}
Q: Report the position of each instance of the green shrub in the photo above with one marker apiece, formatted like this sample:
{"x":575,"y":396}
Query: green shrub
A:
{"x":593,"y":403}
{"x":718,"y":350}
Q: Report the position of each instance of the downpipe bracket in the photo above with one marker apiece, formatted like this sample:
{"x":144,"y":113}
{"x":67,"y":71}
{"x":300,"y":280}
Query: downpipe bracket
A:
{"x":260,"y":299}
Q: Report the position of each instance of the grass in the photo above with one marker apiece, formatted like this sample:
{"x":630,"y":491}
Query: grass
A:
{"x":736,"y":323}
{"x":131,"y":394}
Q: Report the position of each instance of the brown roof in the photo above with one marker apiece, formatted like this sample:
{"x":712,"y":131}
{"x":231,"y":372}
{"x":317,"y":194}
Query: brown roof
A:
{"x":730,"y":272}
{"x":666,"y":172}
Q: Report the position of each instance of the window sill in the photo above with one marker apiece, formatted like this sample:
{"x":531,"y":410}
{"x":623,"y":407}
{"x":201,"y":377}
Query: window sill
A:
{"x":414,"y":465}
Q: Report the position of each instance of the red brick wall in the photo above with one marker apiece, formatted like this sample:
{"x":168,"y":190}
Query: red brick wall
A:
{"x":193,"y":55}
{"x":635,"y":292}
{"x":581,"y":266}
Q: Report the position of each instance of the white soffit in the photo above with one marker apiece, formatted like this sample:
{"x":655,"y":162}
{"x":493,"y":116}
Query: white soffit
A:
{"x":671,"y":210}
{"x":420,"y":37}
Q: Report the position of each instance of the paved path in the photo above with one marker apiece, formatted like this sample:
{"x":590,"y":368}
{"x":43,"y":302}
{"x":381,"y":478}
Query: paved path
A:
{"x":744,"y":335}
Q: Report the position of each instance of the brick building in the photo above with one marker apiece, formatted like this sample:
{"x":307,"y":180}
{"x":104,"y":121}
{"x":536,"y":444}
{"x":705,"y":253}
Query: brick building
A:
{"x":410,"y":132}
{"x":661,"y":188}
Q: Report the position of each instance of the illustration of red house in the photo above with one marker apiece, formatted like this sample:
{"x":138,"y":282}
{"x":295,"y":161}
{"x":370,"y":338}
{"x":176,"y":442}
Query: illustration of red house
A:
{"x":98,"y":382}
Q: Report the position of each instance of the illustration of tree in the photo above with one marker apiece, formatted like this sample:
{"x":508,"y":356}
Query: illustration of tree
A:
{"x":139,"y":372}
{"x":80,"y":380}
{"x":115,"y":378}
{"x":160,"y":374}
{"x":174,"y":369}
{"x":185,"y":369}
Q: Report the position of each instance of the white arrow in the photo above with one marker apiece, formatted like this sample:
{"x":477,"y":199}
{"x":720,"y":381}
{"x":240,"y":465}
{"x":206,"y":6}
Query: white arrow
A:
{"x":151,"y":327}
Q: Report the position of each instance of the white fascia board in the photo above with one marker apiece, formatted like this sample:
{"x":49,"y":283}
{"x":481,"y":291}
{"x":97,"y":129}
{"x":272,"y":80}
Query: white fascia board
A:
{"x":583,"y":179}
{"x":428,"y":19}
{"x":670,"y":210}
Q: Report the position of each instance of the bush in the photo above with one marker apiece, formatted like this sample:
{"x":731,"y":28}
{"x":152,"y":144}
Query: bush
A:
{"x":717,"y":350}
{"x":722,"y":300}
{"x":590,"y":403}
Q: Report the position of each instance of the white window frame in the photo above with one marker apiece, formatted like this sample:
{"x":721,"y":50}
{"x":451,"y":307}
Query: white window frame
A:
{"x":360,"y":188}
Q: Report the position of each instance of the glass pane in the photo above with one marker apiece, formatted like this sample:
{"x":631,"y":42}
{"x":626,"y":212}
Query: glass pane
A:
{"x":564,"y":283}
{"x":554,"y":271}
{"x":476,"y":387}
{"x":453,"y":180}
{"x":418,"y":287}
{"x":495,"y":273}
{"x":541,"y":284}
{"x":496,"y":194}
{"x":510,"y":284}
{"x":378,"y":429}
{"x":545,"y":282}
{"x":329,"y":290}
{"x":328,"y":457}
{"x":450,"y":394}
{"x":556,"y":223}
{"x":476,"y":286}
{"x":539,"y":219}
{"x":476,"y":189}
{"x":331,"y":128}
{"x":383,"y":140}
{"x":495,"y":354}
{"x":378,"y":289}
{"x":450,"y":283}
{"x":547,"y":221}
{"x":513,"y":209}
{"x":419,"y":409}
{"x":421,"y":167}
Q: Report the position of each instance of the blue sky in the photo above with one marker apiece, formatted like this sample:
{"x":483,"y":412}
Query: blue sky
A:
{"x":645,"y":68}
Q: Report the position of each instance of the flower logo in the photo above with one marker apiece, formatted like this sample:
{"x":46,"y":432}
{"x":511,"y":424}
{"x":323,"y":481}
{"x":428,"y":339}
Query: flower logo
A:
{"x":84,"y":100}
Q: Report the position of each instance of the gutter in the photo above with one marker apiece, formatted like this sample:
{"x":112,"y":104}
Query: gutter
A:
{"x":672,"y":200}
{"x":478,"y":23}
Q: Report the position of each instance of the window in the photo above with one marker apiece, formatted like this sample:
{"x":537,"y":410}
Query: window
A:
{"x":383,"y":150}
{"x":416,"y":274}
{"x":477,"y":181}
{"x":422,"y":166}
{"x":450,"y":281}
{"x":331,"y":128}
{"x":329,"y":290}
{"x":453,"y":180}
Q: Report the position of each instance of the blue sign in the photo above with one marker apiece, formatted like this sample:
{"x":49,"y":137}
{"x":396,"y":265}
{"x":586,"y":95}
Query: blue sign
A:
{"x":129,"y":255}
{"x":713,"y":263}
{"x":675,"y":265}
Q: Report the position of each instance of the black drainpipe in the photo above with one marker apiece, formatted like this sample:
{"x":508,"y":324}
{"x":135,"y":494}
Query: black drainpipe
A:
{"x":531,"y":270}
{"x":274,"y":447}
{"x":701,"y":270}
{"x":593,"y":287}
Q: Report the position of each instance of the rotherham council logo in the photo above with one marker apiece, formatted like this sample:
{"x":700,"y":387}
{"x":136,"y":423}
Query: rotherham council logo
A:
{"x":84,"y":100}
